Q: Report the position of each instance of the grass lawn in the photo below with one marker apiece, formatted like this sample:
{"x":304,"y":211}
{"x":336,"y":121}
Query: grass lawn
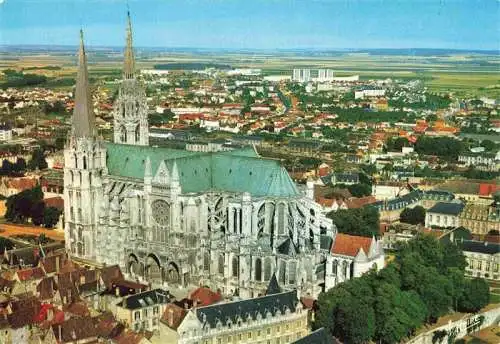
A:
{"x":494,"y":298}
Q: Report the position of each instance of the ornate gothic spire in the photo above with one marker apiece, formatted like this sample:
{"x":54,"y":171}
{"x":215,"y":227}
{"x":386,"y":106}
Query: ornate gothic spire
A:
{"x":129,"y":63}
{"x":83,"y":113}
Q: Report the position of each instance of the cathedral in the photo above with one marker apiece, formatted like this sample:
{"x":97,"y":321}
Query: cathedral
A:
{"x":229,"y":220}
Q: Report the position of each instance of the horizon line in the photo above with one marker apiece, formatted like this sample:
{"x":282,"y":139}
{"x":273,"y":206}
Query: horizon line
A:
{"x":320,"y":49}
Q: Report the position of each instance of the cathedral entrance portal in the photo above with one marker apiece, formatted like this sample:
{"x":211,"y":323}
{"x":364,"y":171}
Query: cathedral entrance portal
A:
{"x":173,"y":273}
{"x":153,"y":269}
{"x":134,"y":268}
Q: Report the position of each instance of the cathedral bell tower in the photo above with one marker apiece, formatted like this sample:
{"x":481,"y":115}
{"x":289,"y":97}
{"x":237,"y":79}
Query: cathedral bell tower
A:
{"x":84,"y":166}
{"x":130,"y":110}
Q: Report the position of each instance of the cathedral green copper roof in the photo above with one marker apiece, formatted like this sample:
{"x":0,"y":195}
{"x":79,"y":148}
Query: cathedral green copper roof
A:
{"x":233,"y":171}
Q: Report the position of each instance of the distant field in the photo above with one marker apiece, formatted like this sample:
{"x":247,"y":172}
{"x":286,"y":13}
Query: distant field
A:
{"x":478,"y":83}
{"x":474,"y":75}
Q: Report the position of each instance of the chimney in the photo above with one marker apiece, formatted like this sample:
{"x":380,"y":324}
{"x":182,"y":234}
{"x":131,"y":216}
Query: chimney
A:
{"x":186,"y":305}
{"x":60,"y":333}
{"x":117,"y":292}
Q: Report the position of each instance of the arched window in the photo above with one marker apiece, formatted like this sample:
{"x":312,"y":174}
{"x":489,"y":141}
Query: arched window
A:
{"x":282,"y":272}
{"x":84,"y":162}
{"x":236,"y":267}
{"x":334,"y":266}
{"x":292,"y":272}
{"x":345,"y":269}
{"x":123,"y":134}
{"x":76,"y":160}
{"x":137,"y":133}
{"x":281,"y":218}
{"x":206,"y":261}
{"x":267,"y":269}
{"x":221,"y":264}
{"x":258,"y":269}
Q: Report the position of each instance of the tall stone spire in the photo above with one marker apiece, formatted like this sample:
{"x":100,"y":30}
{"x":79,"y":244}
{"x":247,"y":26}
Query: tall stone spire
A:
{"x":129,"y":63}
{"x":83,"y":113}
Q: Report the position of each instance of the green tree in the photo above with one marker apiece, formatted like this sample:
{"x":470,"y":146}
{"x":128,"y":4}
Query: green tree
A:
{"x":424,"y":282}
{"x":51,"y":217}
{"x":27,"y":204}
{"x":360,"y":190}
{"x":369,"y":169}
{"x":20,"y":165}
{"x":363,"y":221}
{"x":6,"y":167}
{"x":488,"y":145}
{"x":355,"y":321}
{"x":397,"y":313}
{"x":447,"y":148}
{"x":414,"y":216}
{"x":37,"y":160}
{"x":476,"y":295}
{"x":396,"y":144}
{"x":60,"y":142}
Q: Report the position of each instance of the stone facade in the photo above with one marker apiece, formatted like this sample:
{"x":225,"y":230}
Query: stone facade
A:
{"x":480,"y":218}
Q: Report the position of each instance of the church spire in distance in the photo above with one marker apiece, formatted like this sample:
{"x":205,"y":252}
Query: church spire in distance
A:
{"x":83,"y":113}
{"x":129,"y":63}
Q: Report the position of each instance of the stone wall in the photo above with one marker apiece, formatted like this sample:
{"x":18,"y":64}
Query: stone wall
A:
{"x":459,"y":326}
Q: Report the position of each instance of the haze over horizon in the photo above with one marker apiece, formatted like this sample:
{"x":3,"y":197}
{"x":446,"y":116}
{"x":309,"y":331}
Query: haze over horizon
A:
{"x":257,"y":24}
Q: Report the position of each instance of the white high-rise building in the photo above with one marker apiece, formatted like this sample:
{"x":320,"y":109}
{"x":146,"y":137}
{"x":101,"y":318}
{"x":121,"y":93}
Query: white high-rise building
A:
{"x":301,"y":75}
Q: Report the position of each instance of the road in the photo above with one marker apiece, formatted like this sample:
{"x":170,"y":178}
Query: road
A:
{"x":8,"y":230}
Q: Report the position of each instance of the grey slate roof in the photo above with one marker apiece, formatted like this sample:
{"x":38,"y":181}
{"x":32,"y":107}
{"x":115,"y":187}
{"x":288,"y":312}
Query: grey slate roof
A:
{"x":146,"y":299}
{"x":273,"y":286}
{"x":320,"y":336}
{"x":399,"y":202}
{"x":288,"y":248}
{"x":447,"y":208}
{"x":232,"y":312}
{"x":479,"y":246}
{"x":439,"y":195}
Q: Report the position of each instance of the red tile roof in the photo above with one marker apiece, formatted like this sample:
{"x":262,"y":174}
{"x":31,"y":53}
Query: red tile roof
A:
{"x":205,"y":296}
{"x":488,"y":189}
{"x":349,"y":245}
{"x":111,"y":274}
{"x":56,"y":202}
{"x":173,"y":315}
{"x":128,"y":337}
{"x":307,"y":302}
{"x":27,"y":274}
{"x":21,"y":184}
{"x":354,"y":203}
{"x":77,"y":308}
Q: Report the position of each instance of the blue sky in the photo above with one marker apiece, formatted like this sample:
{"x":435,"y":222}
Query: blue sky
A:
{"x":264,"y":24}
